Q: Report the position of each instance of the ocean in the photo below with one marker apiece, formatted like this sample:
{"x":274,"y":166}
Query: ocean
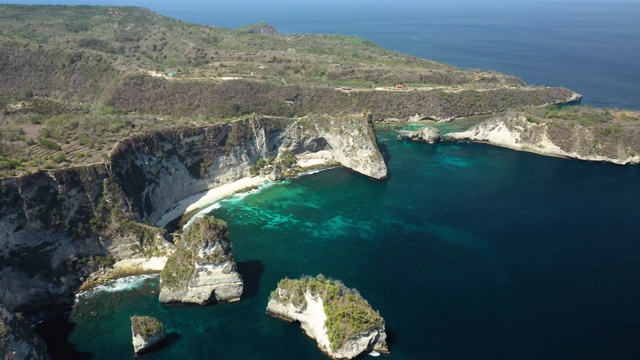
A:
{"x":469,"y":250}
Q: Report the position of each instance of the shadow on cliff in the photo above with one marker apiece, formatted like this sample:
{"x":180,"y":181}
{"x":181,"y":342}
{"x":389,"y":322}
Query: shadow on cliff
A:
{"x":386,"y":154}
{"x":251,"y":272}
{"x":56,"y":332}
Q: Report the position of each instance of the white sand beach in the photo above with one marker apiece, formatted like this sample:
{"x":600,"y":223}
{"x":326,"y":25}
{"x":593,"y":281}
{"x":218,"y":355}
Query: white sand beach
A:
{"x":153,"y":263}
{"x":209,"y":197}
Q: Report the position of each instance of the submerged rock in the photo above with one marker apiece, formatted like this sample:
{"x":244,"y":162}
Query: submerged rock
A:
{"x":338,"y":318}
{"x":146,"y":332}
{"x":202,"y":269}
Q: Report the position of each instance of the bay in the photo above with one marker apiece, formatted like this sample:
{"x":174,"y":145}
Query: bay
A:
{"x":467,"y":251}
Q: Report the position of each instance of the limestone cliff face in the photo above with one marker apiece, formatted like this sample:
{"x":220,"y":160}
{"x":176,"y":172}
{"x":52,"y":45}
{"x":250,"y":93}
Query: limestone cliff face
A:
{"x":156,"y":171}
{"x":351,"y":141}
{"x":554,"y":139}
{"x":52,"y":221}
{"x":41,"y":217}
{"x":302,"y":301}
{"x":53,"y":225}
{"x":202,"y":269}
{"x":17,"y":339}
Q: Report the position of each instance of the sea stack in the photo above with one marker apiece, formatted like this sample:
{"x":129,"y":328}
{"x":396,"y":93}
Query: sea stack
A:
{"x":147,"y":332}
{"x":202,"y":269}
{"x":338,"y":318}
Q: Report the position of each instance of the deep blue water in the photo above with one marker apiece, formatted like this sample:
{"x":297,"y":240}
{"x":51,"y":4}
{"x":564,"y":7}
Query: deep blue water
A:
{"x":468,"y":251}
{"x":591,"y":46}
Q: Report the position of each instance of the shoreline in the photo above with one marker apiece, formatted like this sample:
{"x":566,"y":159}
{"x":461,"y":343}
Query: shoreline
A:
{"x":194,"y":204}
{"x":201,"y":200}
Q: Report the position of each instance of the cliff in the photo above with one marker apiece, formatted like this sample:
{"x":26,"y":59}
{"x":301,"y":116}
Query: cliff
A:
{"x":202,"y":269}
{"x":609,"y":141}
{"x":338,"y":318}
{"x":158,"y":170}
{"x":348,"y":140}
{"x":58,"y":226}
{"x":17,"y":339}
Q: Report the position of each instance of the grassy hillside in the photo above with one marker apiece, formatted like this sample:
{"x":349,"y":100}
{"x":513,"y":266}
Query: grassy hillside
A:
{"x":75,"y":79}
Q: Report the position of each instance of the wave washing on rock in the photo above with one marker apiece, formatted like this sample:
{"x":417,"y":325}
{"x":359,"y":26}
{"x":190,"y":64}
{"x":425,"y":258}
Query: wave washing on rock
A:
{"x":343,"y":323}
{"x":117,"y":285}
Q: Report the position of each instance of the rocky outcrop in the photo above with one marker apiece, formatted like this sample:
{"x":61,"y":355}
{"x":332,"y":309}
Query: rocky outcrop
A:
{"x":202,"y":269}
{"x":338,"y":318}
{"x":349,"y":140}
{"x":606,"y":143}
{"x":17,"y":339}
{"x":428,"y":134}
{"x":146,"y":333}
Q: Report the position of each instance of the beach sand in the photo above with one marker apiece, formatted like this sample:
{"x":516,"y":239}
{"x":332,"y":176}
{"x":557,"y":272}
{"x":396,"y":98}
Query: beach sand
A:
{"x":209,"y":197}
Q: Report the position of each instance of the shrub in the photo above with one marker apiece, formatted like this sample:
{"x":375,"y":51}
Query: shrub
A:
{"x":348,"y":313}
{"x":49,"y":144}
{"x":146,"y":326}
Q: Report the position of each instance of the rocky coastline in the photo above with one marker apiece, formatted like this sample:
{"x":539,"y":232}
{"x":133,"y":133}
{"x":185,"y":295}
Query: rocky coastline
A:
{"x":519,"y":132}
{"x":58,"y":227}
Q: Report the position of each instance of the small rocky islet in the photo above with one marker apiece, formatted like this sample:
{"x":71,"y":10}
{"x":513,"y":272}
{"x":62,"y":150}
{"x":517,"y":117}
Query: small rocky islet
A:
{"x":340,"y":320}
{"x":147,"y":333}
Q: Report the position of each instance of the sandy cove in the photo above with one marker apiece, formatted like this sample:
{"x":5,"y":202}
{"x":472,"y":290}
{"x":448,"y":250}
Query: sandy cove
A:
{"x":204,"y":199}
{"x":209,"y":197}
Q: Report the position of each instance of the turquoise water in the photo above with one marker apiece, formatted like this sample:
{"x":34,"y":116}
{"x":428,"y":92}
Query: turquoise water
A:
{"x":468,"y":251}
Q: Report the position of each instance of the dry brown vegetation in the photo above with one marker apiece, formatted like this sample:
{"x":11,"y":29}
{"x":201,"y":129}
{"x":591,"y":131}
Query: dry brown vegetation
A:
{"x":75,"y":79}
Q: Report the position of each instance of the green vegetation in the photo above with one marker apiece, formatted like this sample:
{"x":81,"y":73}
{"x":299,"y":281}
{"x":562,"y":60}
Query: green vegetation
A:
{"x":206,"y":233}
{"x":146,"y":326}
{"x":286,"y":159}
{"x":585,"y":115}
{"x":97,"y":74}
{"x":348,"y":314}
{"x":262,"y":166}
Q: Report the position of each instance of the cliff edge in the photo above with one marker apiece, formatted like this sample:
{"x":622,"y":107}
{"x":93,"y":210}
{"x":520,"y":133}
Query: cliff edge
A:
{"x":606,"y":140}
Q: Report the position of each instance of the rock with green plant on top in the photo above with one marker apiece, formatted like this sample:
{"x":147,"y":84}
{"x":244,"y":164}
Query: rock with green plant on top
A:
{"x":338,"y":318}
{"x":147,"y":333}
{"x":202,"y":269}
